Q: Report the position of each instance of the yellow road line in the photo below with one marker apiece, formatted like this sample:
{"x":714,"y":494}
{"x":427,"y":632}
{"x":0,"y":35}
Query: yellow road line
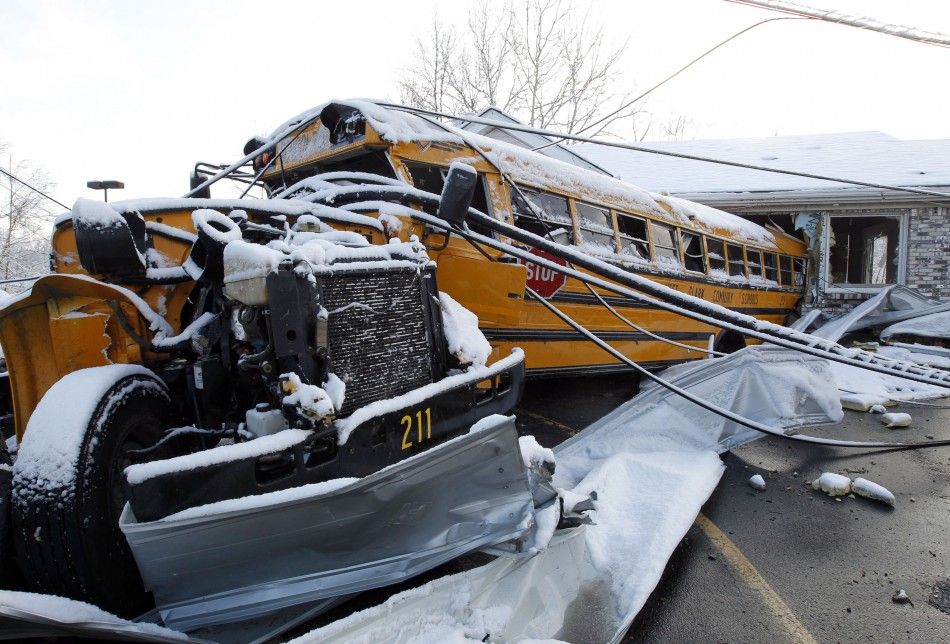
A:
{"x":795,"y":630}
{"x":570,"y":430}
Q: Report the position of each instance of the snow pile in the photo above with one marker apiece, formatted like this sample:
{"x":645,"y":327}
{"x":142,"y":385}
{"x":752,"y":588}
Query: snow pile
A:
{"x":935,"y":325}
{"x":921,"y":353}
{"x":62,"y":611}
{"x":466,"y":342}
{"x":532,"y":453}
{"x":313,"y":401}
{"x":96,"y":214}
{"x":49,"y":454}
{"x":878,"y":388}
{"x":280,"y":441}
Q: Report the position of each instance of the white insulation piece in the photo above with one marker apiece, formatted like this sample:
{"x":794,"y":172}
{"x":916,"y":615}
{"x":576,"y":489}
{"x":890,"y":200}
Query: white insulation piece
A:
{"x":871,"y":490}
{"x":895,"y":420}
{"x":832,"y":484}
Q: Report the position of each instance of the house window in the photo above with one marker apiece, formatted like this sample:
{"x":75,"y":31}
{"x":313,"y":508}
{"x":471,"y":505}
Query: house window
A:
{"x":596,"y":226}
{"x":633,"y":236}
{"x":864,"y":251}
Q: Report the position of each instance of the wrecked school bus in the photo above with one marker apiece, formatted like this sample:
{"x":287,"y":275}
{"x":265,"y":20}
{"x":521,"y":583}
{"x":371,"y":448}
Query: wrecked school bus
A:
{"x":357,"y":154}
{"x":187,"y":355}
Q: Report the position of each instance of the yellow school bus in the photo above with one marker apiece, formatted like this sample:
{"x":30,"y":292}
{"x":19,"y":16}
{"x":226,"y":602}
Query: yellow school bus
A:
{"x":324,"y":156}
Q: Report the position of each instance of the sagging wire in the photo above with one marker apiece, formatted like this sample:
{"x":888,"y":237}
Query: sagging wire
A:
{"x":667,"y":79}
{"x":475,"y":239}
{"x":638,"y":148}
{"x":547,"y":231}
{"x":620,"y":286}
{"x":36,"y":190}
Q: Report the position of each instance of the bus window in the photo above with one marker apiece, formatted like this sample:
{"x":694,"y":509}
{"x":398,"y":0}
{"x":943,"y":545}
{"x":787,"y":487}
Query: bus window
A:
{"x":785,"y":269}
{"x":800,"y":265}
{"x":665,"y":245}
{"x":736,"y":261}
{"x":596,"y":226}
{"x":693,"y":255}
{"x":552,"y":208}
{"x":717,"y":256}
{"x":633,"y":236}
{"x":753,"y":257}
{"x":771,"y":267}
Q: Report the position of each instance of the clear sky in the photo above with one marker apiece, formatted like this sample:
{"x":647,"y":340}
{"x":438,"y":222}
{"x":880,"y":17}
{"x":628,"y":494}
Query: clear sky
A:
{"x":139,"y":91}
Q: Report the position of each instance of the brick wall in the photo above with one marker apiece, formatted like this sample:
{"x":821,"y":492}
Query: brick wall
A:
{"x":928,"y":252}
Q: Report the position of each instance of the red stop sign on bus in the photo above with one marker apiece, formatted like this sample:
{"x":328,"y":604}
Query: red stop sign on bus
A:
{"x":543,"y":280}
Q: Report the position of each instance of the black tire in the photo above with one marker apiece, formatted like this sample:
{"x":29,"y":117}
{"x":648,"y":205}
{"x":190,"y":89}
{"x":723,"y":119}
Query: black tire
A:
{"x":9,"y":574}
{"x":68,"y":541}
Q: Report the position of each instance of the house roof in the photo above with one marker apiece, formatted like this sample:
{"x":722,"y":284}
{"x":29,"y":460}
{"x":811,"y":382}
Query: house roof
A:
{"x":872,"y":157}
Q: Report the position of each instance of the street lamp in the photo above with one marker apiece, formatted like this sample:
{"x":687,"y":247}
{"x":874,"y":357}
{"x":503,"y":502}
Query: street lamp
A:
{"x":105,"y":186}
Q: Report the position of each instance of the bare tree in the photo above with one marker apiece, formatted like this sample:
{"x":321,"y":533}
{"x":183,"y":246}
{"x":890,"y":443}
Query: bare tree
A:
{"x":538,"y":59}
{"x":24,"y":220}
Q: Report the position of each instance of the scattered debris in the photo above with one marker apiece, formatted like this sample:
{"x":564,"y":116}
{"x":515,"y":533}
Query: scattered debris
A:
{"x":871,"y":490}
{"x":940,"y":596}
{"x":832,"y":484}
{"x":878,"y":409}
{"x":757,"y":482}
{"x":862,"y":401}
{"x":896,"y":420}
{"x":900,"y":597}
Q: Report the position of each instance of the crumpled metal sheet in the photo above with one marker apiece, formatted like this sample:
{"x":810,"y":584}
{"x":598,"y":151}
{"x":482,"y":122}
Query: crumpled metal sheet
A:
{"x":891,"y":305}
{"x":652,"y":463}
{"x":460,"y":496}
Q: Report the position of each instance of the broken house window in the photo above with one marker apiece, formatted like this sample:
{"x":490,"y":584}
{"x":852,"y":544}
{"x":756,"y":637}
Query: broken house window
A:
{"x":863,"y":250}
{"x":633,"y":236}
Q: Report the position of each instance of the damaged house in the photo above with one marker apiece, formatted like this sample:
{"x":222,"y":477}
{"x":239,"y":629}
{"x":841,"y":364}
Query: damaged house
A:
{"x":862,"y":239}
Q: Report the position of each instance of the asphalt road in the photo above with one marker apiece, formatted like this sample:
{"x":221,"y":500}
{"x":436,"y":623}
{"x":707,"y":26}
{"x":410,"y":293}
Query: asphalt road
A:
{"x":789,"y":563}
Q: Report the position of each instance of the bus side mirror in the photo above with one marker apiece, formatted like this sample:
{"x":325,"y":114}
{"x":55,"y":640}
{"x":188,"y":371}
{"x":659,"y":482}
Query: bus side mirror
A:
{"x":196,"y":180}
{"x":457,"y":194}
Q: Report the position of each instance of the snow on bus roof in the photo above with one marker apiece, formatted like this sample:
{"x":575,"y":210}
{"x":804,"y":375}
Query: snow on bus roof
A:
{"x":291,"y":207}
{"x":533,"y":168}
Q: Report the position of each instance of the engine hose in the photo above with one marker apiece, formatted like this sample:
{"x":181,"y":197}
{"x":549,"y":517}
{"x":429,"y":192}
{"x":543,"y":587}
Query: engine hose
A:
{"x":720,"y":411}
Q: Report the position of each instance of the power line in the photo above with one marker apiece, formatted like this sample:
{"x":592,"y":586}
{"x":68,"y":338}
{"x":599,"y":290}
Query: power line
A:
{"x":871,"y":24}
{"x":680,"y":155}
{"x":667,"y":79}
{"x":36,"y":190}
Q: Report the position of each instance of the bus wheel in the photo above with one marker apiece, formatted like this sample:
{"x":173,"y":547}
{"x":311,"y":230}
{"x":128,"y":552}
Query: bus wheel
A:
{"x":68,"y":487}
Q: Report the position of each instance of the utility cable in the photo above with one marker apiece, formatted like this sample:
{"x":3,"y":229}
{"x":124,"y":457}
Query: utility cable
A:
{"x":680,"y":155}
{"x":667,"y":79}
{"x":36,"y":190}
